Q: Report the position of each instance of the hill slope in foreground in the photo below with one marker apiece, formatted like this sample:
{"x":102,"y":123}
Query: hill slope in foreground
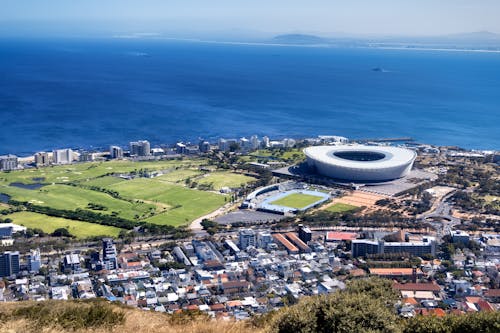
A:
{"x":364,"y":306}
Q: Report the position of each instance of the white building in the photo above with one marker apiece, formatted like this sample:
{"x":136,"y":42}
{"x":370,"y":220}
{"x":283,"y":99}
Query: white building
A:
{"x":62,"y":156}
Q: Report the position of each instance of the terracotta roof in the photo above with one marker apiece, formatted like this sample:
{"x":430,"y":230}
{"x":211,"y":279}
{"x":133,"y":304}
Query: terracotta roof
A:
{"x":357,"y":272}
{"x":393,"y":271}
{"x":235,"y":284}
{"x":432,"y":312}
{"x":217,"y":307}
{"x":340,"y":236}
{"x":232,"y":304}
{"x":410,"y":300}
{"x":417,"y":286}
{"x":192,"y":307}
{"x":285,"y":242}
{"x":492,"y":293}
{"x":485,"y":306}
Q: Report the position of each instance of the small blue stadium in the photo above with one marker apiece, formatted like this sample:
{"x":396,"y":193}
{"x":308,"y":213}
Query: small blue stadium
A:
{"x":268,"y":204}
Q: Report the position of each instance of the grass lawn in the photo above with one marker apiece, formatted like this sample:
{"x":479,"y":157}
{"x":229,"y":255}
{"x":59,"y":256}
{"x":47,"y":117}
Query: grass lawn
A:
{"x":340,"y":208}
{"x":225,"y":179}
{"x":49,"y":224}
{"x":179,"y":175}
{"x":185,"y":204}
{"x":70,"y":198}
{"x":297,"y":200}
{"x":84,"y":171}
{"x":103,"y":181}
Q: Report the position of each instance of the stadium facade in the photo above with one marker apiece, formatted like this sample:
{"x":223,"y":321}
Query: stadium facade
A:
{"x":359,"y":163}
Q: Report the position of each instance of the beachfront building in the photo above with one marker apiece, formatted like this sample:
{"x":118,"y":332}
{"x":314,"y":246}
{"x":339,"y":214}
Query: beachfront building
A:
{"x":8,"y":162}
{"x":62,"y":156}
{"x":42,"y":159}
{"x":140,"y":148}
{"x":115,"y":152}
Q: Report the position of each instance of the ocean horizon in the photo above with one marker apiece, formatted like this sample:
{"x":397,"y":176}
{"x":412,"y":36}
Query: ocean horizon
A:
{"x":87,"y":93}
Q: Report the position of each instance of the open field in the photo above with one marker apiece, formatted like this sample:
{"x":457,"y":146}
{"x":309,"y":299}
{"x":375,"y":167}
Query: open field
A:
{"x":70,"y":198}
{"x":161,"y":200}
{"x":185,"y":204}
{"x":225,"y":179}
{"x":360,"y":198}
{"x":340,"y":208}
{"x":103,"y":181}
{"x":297,"y":200}
{"x":179,"y":175}
{"x":84,"y":171}
{"x":48,"y":224}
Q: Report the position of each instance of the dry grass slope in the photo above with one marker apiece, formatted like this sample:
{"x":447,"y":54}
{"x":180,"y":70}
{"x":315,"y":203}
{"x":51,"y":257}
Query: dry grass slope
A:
{"x":100,"y":316}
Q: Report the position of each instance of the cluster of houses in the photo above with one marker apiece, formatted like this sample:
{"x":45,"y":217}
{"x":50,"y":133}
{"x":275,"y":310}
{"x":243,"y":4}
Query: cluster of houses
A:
{"x":254,"y":271}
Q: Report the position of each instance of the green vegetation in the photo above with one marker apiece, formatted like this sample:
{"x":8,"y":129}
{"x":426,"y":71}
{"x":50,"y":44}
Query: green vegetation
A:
{"x":297,"y":200}
{"x":71,"y":198}
{"x":49,"y":224}
{"x":180,"y":205}
{"x":218,"y":180}
{"x":289,"y":155}
{"x":368,"y":306}
{"x":87,"y":171}
{"x":180,"y":175}
{"x":340,"y":208}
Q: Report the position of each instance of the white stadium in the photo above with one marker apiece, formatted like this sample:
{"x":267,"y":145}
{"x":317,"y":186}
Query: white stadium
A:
{"x":360,"y":163}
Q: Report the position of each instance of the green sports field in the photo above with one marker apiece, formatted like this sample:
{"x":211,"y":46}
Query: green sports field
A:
{"x":297,"y":200}
{"x":340,"y":208}
{"x":70,"y":198}
{"x":183,"y":204}
{"x":96,"y":186}
{"x":222,"y":179}
{"x":48,"y":224}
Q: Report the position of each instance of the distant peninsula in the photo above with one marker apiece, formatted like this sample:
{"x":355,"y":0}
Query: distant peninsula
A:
{"x":302,"y":39}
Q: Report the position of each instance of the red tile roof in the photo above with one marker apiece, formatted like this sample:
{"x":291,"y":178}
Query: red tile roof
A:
{"x":393,"y":271}
{"x":492,"y":293}
{"x":332,"y":236}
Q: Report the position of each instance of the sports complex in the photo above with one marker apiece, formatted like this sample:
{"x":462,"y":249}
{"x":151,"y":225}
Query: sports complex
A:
{"x":285,"y":198}
{"x":359,"y":163}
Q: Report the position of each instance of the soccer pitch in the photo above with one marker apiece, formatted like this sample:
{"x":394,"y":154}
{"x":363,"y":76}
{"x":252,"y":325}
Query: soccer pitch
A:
{"x":297,"y":200}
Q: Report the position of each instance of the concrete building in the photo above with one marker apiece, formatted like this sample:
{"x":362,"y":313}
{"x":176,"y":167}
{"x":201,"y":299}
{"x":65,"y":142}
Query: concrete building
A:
{"x":363,"y":247}
{"x":109,"y":254}
{"x":72,"y":262}
{"x":86,"y":157}
{"x":34,"y":261}
{"x":42,"y":159}
{"x":254,"y":142}
{"x":246,"y":238}
{"x":204,"y":146}
{"x":264,"y":238}
{"x":459,"y":236}
{"x":9,"y":263}
{"x":305,"y":233}
{"x":266,"y":142}
{"x":62,"y":156}
{"x":8,"y":162}
{"x":140,"y":148}
{"x":115,"y":152}
{"x":359,"y":163}
{"x":180,"y":148}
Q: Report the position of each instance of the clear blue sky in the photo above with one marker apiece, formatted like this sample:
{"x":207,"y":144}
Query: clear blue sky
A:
{"x":388,"y":17}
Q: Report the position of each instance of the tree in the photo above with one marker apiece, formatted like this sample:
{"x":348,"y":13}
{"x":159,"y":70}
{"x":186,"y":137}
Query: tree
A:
{"x":62,"y":232}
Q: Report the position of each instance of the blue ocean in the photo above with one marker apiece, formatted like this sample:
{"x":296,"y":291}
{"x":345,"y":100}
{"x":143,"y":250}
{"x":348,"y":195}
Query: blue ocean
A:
{"x":93,"y":93}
